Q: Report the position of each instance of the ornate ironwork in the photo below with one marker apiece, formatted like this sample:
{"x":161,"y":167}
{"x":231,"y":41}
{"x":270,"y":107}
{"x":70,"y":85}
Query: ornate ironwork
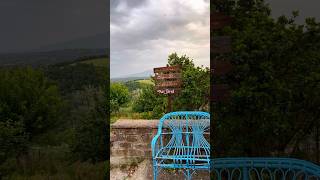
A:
{"x":183,"y":144}
{"x":264,"y":168}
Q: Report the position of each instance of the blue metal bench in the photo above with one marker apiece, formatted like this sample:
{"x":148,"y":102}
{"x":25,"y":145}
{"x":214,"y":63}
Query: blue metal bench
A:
{"x":180,"y":143}
{"x":264,"y":169}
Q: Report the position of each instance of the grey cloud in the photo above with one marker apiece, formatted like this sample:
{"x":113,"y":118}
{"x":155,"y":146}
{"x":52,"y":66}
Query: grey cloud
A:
{"x":308,"y":8}
{"x":143,"y":35}
{"x":121,"y":16}
{"x":31,"y":24}
{"x":154,"y":26}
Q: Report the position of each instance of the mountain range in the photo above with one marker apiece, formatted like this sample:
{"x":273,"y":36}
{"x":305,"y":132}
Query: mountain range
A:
{"x":97,"y":41}
{"x":68,"y":51}
{"x":142,"y":75}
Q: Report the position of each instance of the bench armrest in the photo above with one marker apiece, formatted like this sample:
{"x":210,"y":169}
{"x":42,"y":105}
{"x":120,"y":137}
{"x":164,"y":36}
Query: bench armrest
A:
{"x":155,"y":144}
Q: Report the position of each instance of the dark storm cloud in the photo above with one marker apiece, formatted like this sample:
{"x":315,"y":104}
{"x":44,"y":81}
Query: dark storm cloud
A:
{"x":27,"y":25}
{"x":120,"y":15}
{"x":130,"y":3}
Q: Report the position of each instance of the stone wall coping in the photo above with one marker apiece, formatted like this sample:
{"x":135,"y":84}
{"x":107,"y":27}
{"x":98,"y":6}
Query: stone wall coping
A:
{"x":135,"y":124}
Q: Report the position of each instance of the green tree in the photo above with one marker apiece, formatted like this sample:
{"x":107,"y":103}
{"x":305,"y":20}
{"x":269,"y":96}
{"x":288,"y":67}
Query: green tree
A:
{"x":196,"y":82}
{"x":27,"y":96}
{"x":76,"y":76}
{"x":90,"y":140}
{"x":119,"y":95}
{"x":29,"y":105}
{"x":149,"y":101}
{"x":194,"y":94}
{"x":274,"y":83}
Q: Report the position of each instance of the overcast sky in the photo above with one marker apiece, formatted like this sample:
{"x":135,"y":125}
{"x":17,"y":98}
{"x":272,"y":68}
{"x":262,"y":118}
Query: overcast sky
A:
{"x":31,"y":24}
{"x":307,"y":8}
{"x":144,"y":32}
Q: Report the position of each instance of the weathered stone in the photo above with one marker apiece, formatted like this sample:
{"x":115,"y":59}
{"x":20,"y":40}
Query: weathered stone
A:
{"x":132,"y":138}
{"x":142,"y":146}
{"x":132,"y":142}
{"x":129,"y":132}
{"x":148,"y":153}
{"x":117,"y":136}
{"x":113,"y":137}
{"x":125,"y":145}
{"x":136,"y":152}
{"x":119,"y":152}
{"x":135,"y":124}
{"x":147,"y":137}
{"x":115,"y":145}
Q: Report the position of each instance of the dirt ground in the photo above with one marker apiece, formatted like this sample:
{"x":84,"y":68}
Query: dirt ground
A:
{"x":143,"y":171}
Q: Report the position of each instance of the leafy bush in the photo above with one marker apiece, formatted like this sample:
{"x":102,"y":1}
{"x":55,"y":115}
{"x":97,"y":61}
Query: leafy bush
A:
{"x":196,"y":82}
{"x":29,"y":105}
{"x":119,"y":95}
{"x":91,"y":129}
{"x":150,"y":101}
{"x":76,"y":76}
{"x":275,"y":83}
{"x":193,"y":96}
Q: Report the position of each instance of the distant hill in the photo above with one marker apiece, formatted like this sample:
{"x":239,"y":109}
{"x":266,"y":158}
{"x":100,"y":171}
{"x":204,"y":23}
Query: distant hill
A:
{"x":49,"y":57}
{"x":137,"y":76}
{"x":98,"y":41}
{"x":127,"y":79}
{"x":98,"y":62}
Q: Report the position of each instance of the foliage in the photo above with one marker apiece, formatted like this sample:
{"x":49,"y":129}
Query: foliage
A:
{"x":193,"y":96}
{"x":29,"y":105}
{"x":98,"y":62}
{"x":196,"y":83}
{"x":76,"y":76}
{"x":43,"y":136}
{"x":132,"y":85}
{"x":13,"y":140}
{"x":90,"y":139}
{"x":275,"y":82}
{"x":119,"y":95}
{"x":150,"y":103}
{"x":50,"y":162}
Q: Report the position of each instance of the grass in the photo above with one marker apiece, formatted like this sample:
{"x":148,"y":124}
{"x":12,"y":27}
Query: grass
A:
{"x":145,"y":81}
{"x":127,"y":113}
{"x":53,"y":162}
{"x":77,"y":170}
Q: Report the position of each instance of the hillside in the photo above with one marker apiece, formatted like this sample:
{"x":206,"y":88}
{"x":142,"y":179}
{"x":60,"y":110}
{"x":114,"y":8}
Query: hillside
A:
{"x":48,"y":57}
{"x":98,"y":41}
{"x":137,"y":76}
{"x":67,"y":101}
{"x":99,"y":62}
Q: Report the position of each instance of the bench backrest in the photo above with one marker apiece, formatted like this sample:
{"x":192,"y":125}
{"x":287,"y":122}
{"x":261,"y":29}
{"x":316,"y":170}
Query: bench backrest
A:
{"x":186,"y":129}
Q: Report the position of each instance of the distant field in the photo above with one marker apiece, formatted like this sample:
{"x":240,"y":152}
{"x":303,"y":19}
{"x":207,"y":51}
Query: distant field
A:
{"x":101,"y":62}
{"x":126,"y":79}
{"x":145,"y":81}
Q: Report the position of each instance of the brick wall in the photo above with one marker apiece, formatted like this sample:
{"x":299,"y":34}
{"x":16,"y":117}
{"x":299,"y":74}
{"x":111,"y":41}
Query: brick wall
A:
{"x":131,"y":140}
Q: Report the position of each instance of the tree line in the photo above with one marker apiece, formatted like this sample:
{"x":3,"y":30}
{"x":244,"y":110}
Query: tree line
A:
{"x":275,"y":83}
{"x":62,"y":106}
{"x":143,"y":98}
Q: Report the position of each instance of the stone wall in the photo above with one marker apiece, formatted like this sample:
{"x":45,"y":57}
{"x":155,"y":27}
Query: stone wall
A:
{"x":130,"y":140}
